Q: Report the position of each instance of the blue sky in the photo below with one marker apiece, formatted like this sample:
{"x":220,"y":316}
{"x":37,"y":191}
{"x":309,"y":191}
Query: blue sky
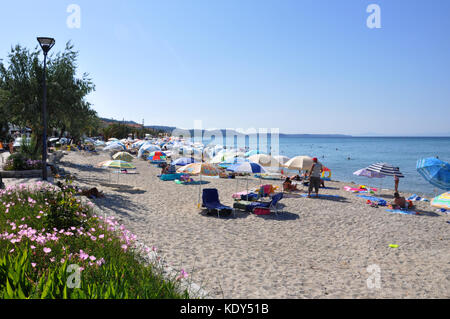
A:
{"x":302,"y":66}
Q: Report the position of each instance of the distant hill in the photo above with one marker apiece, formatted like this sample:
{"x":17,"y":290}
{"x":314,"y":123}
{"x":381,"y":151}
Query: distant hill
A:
{"x":133,"y":123}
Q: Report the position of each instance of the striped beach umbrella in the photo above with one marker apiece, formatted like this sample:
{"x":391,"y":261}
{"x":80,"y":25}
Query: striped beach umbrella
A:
{"x":385,"y":169}
{"x":442,"y":201}
{"x":435,"y":171}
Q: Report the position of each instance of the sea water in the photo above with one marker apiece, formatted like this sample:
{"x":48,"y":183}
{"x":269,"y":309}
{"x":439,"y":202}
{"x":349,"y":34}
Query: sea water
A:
{"x":345,"y":155}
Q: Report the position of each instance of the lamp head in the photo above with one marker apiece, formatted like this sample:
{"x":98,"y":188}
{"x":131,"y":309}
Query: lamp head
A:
{"x":46,"y":43}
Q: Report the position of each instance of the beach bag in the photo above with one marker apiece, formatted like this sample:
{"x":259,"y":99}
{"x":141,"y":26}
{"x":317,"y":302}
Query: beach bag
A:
{"x":261,"y":211}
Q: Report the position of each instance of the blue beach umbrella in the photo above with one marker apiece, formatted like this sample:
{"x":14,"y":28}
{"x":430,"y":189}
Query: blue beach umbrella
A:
{"x":247,"y":167}
{"x":183,"y":161}
{"x":435,"y":171}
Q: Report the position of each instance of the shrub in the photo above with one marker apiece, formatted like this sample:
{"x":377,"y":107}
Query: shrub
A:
{"x":45,"y":229}
{"x":18,"y":162}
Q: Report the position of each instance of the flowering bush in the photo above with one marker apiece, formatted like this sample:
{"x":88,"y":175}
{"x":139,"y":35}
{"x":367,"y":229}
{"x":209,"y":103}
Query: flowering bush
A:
{"x":44,"y":230}
{"x":18,"y":162}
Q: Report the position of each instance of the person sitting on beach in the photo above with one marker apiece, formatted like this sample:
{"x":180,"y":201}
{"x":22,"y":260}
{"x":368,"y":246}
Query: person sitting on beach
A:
{"x":399,"y":202}
{"x":288,"y":186}
{"x":164,"y":169}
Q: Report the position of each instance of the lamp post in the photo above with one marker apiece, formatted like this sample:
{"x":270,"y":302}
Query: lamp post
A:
{"x":46,"y":44}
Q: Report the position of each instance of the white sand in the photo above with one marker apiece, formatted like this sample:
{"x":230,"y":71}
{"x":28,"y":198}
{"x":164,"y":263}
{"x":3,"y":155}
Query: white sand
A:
{"x":315,"y":248}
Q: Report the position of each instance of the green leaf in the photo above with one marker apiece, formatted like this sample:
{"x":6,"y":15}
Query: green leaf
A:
{"x":9,"y":290}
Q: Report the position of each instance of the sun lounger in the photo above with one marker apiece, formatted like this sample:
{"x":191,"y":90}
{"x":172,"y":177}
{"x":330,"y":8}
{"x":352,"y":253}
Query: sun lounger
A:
{"x":212,"y":203}
{"x":272,"y":205}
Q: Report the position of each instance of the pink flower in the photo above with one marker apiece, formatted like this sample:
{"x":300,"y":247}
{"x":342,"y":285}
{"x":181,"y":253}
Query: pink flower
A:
{"x":83,"y":255}
{"x":47,"y":250}
{"x":124,"y":247}
{"x":33,"y":265}
{"x":182,"y":275}
{"x":92,"y":258}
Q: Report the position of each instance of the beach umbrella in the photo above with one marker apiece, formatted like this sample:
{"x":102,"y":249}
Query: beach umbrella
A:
{"x":123,"y":156}
{"x":115,"y":146}
{"x":366,"y":173}
{"x":435,"y":171}
{"x":183,"y":161}
{"x":246,"y":167}
{"x":99,"y":143}
{"x":232,"y":160}
{"x":441,"y":201}
{"x":264,"y":160}
{"x":199,"y":169}
{"x":147,"y":148}
{"x":157,"y":156}
{"x":282,"y":159}
{"x":370,"y":174}
{"x":300,"y":163}
{"x":117,"y":164}
{"x":252,"y":152}
{"x":385,"y":169}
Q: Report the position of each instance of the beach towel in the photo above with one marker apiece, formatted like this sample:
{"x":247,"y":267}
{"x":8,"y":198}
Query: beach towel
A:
{"x":417,"y":198}
{"x":379,"y":201}
{"x":322,"y":196}
{"x":402,"y":211}
{"x":359,"y":190}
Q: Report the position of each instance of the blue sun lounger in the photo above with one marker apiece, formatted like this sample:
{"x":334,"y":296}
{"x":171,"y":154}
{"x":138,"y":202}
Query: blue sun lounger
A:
{"x":212,"y":203}
{"x":272,"y":205}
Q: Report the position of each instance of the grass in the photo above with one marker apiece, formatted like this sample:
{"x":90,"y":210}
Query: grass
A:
{"x":54,"y":246}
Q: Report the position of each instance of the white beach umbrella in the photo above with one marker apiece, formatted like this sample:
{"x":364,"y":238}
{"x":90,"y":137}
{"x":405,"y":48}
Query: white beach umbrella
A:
{"x":300,"y":163}
{"x":282,"y":159}
{"x":264,"y":160}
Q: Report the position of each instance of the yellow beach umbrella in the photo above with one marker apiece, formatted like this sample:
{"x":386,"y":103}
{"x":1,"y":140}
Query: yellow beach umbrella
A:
{"x":123,"y":156}
{"x":117,"y":164}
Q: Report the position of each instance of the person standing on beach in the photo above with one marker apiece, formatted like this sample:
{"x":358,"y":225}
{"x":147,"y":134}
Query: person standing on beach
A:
{"x":314,"y":177}
{"x":396,"y":180}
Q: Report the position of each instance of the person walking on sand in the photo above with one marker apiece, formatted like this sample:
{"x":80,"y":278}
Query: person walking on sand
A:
{"x":314,"y":177}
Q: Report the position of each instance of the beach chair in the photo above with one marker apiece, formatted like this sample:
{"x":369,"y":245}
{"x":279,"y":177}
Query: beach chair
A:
{"x":272,"y":205}
{"x":212,"y":203}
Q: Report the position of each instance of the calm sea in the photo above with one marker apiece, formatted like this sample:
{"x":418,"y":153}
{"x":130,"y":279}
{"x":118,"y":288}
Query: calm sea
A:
{"x":399,"y":151}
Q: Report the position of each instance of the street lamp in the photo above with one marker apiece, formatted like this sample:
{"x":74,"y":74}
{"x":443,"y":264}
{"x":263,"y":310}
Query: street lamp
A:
{"x":46,"y":44}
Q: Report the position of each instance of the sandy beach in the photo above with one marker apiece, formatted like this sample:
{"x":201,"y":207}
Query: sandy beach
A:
{"x":314,"y":248}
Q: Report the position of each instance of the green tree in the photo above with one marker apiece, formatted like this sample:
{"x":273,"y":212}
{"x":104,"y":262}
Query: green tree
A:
{"x":67,"y":107}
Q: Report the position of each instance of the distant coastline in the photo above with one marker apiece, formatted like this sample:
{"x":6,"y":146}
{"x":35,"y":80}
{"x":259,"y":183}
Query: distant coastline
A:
{"x":169,"y":129}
